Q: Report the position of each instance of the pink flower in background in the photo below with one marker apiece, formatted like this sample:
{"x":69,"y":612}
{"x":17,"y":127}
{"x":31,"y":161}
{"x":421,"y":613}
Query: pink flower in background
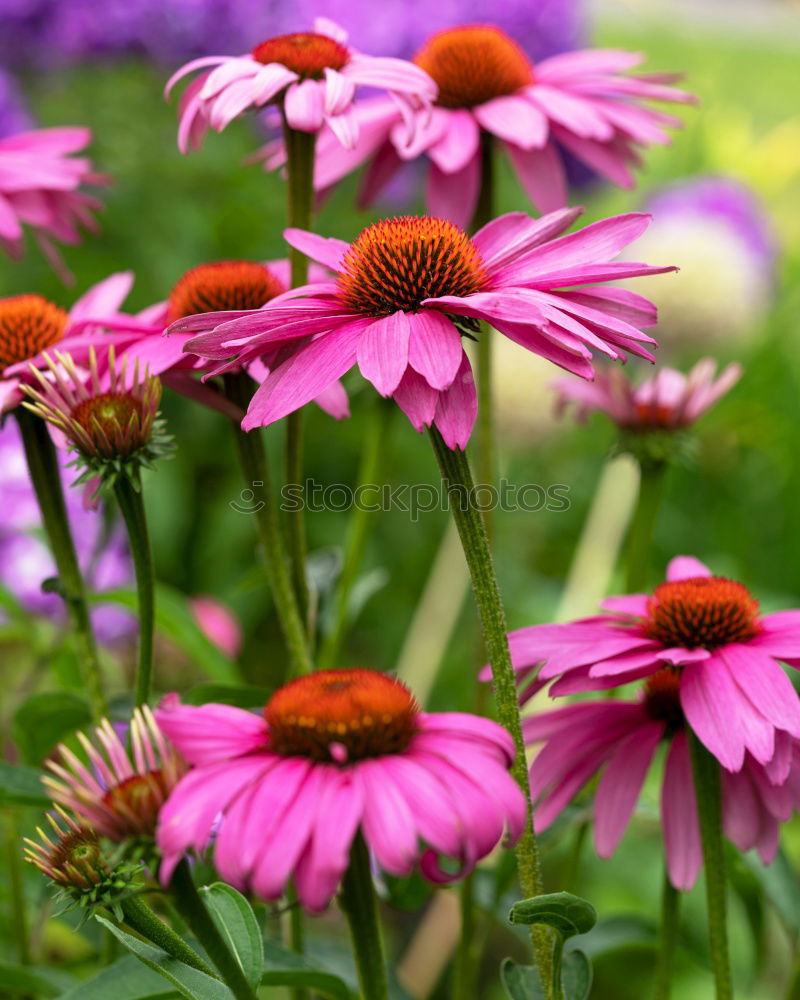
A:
{"x":313,"y":74}
{"x":218,"y":623}
{"x":222,"y":285}
{"x":40,"y":184}
{"x":733,"y":693}
{"x":618,"y":741}
{"x":580,"y":102}
{"x":667,"y":401}
{"x":405,"y":291}
{"x":31,"y":325}
{"x":362,"y":757}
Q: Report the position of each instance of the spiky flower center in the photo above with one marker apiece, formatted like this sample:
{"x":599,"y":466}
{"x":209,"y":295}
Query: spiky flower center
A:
{"x":305,"y":53}
{"x":662,"y":697}
{"x":136,"y":801}
{"x":113,"y":422}
{"x":398,"y":263}
{"x":474,"y":64}
{"x":341,"y":715}
{"x":653,"y":415}
{"x":28,"y":325}
{"x":74,"y":859}
{"x":702,"y":612}
{"x":225,"y":284}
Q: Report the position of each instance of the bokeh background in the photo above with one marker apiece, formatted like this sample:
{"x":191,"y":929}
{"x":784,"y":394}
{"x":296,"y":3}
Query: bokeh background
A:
{"x":727,"y":200}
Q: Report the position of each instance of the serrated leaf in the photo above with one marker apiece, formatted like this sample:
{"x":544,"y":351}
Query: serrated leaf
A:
{"x":126,"y":979}
{"x":286,"y":968}
{"x":238,"y":925}
{"x":29,"y":979}
{"x":522,"y":982}
{"x":43,"y":720}
{"x":567,"y":914}
{"x":190,"y":983}
{"x":22,"y":786}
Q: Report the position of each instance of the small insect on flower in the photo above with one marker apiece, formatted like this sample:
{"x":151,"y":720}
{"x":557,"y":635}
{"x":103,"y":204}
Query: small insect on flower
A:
{"x":112,"y":423}
{"x":118,"y":793}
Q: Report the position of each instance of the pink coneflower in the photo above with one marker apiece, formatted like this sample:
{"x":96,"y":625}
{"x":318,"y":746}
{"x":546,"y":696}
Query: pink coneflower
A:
{"x":707,"y":629}
{"x":618,"y":740}
{"x":581,"y":102}
{"x":405,"y":291}
{"x":30,"y":326}
{"x":40,"y":185}
{"x":222,"y":285}
{"x":312,"y":74}
{"x":335,"y":753}
{"x":668,"y":401}
{"x":118,"y":794}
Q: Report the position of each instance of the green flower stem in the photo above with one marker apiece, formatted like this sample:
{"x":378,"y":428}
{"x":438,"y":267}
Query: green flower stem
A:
{"x":484,"y":438}
{"x":45,"y":476}
{"x":640,"y":534}
{"x":253,"y":462}
{"x":361,"y":909}
{"x":670,"y":913}
{"x":297,"y":937}
{"x":706,"y":774}
{"x":358,"y":529}
{"x":16,"y":889}
{"x":141,"y":918}
{"x":464,"y":968}
{"x":300,"y":149}
{"x":460,"y":487}
{"x":128,"y":492}
{"x":193,"y":910}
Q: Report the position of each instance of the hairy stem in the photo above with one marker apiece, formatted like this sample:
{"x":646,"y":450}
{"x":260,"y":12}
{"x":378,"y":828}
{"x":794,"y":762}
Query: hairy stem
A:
{"x":670,"y":913}
{"x":361,"y":909}
{"x":144,"y":921}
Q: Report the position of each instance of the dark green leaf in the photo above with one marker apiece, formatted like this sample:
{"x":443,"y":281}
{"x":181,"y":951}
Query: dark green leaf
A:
{"x":237,"y":923}
{"x":779,"y":883}
{"x":567,"y":914}
{"x":22,"y":786}
{"x":28,"y":979}
{"x":240,"y":695}
{"x":43,"y":720}
{"x":522,"y":982}
{"x":285,"y":968}
{"x":190,"y":983}
{"x":127,"y":979}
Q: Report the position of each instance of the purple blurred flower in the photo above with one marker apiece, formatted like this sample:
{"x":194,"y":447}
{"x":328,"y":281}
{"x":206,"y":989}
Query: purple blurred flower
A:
{"x":13,"y":113}
{"x":25,"y":560}
{"x":41,"y":32}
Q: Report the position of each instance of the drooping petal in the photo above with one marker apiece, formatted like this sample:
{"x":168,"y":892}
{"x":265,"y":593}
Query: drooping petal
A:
{"x":679,"y":817}
{"x":457,"y":407}
{"x":434,"y":348}
{"x":383,"y":351}
{"x":454,"y":196}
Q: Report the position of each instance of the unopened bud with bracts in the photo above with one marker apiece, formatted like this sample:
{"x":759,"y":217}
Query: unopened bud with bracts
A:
{"x":71,"y":855}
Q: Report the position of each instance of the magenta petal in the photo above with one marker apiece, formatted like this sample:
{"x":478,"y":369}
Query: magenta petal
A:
{"x":383,"y":351}
{"x":416,"y":399}
{"x":205,"y":734}
{"x":434,"y":348}
{"x":327,"y":251}
{"x":541,"y":174}
{"x":514,"y":119}
{"x":679,"y":817}
{"x":454,"y":196}
{"x":621,"y":784}
{"x":716,"y":710}
{"x":513,"y":234}
{"x":458,"y":145}
{"x":686,"y":567}
{"x":389,"y":825}
{"x":763,"y":682}
{"x":457,"y":408}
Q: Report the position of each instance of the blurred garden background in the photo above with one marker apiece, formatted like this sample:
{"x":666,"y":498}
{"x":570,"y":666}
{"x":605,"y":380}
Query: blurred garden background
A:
{"x":734,"y":504}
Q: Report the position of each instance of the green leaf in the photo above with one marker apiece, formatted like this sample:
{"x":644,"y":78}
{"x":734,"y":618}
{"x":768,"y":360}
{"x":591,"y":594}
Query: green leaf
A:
{"x":286,"y":968}
{"x":522,"y":982}
{"x":240,"y":695}
{"x":22,"y":786}
{"x":779,"y":883}
{"x":28,"y":979}
{"x":567,"y":914}
{"x":43,"y":720}
{"x":237,"y":923}
{"x":175,"y":621}
{"x":126,"y":979}
{"x":190,"y":983}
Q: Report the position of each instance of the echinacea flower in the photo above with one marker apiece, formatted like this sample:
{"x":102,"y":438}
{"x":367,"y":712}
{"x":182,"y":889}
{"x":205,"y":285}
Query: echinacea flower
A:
{"x":112,"y":424}
{"x":31,"y":325}
{"x":407,"y":288}
{"x":733,"y":693}
{"x":580,"y":102}
{"x":335,"y":753}
{"x":313,"y":75}
{"x":221,"y":285}
{"x":40,"y":186}
{"x":618,"y":740}
{"x":74,"y":859}
{"x":669,"y":400}
{"x":118,"y":793}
